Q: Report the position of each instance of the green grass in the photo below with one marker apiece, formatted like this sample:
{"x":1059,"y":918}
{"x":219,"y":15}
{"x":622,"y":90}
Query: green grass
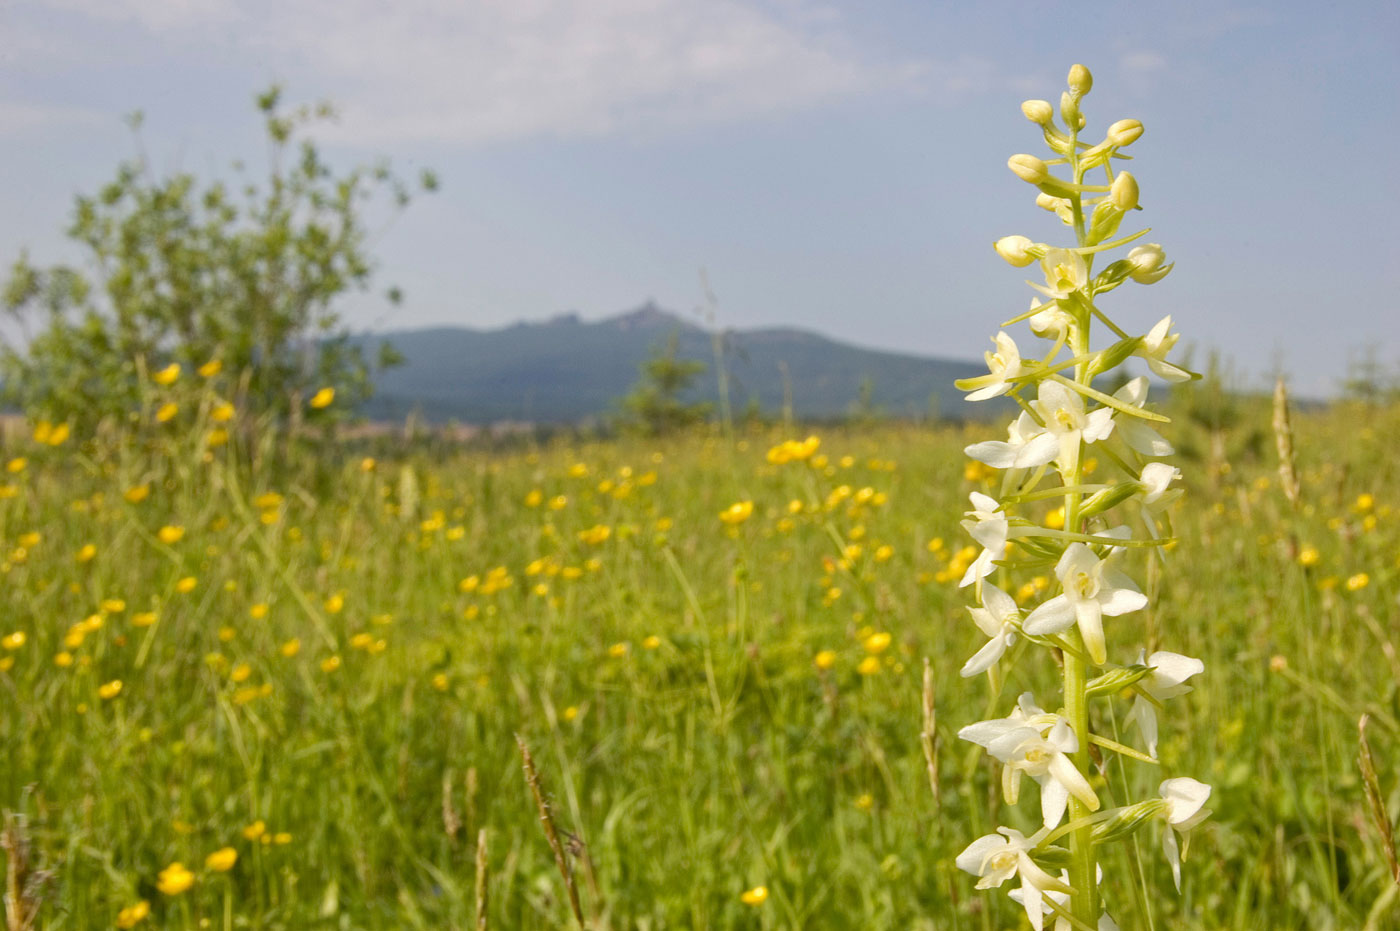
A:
{"x":693,"y":767}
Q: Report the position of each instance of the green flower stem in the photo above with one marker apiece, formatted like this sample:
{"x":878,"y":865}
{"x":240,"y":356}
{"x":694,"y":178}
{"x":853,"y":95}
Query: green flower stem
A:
{"x":1083,"y":868}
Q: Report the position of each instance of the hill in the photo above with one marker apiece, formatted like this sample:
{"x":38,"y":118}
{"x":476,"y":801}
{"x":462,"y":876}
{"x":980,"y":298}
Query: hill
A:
{"x":569,"y":370}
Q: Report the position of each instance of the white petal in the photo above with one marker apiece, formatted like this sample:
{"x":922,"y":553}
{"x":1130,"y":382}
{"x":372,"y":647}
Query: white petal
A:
{"x":1185,"y":796}
{"x":984,"y":620}
{"x":1134,"y":392}
{"x":1168,"y":372}
{"x":1051,"y":617}
{"x":991,"y":391}
{"x":984,"y":503}
{"x":991,"y":534}
{"x":1145,"y":716}
{"x":1001,"y":605}
{"x":1121,"y":601}
{"x":1089,"y":614}
{"x":1077,"y":558}
{"x":1172,"y":853}
{"x":1142,"y":438}
{"x":984,"y":732}
{"x":994,"y":453}
{"x":1064,"y":771}
{"x":975,"y":855}
{"x":986,"y":657}
{"x":1039,"y":450}
{"x":980,"y":568}
{"x":1173,"y":668}
{"x":1054,"y":799}
{"x":1099,"y":425}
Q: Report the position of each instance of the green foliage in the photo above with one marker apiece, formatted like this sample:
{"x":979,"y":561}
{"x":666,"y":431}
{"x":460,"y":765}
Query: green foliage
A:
{"x":191,"y":271}
{"x":714,"y":759}
{"x":655,"y":406}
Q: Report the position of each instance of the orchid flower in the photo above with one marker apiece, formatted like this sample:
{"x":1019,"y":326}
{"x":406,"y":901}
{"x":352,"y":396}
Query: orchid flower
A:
{"x":1027,"y":446}
{"x":995,"y":858}
{"x":1065,"y":272}
{"x":998,"y":619}
{"x":988,"y":528}
{"x":1003,"y":365}
{"x":1135,"y":431}
{"x":1038,"y":745}
{"x":1059,"y":898}
{"x":1184,"y":797}
{"x":1062,"y":411}
{"x":1092,"y":589}
{"x":1166,"y":680}
{"x":1154,"y":348}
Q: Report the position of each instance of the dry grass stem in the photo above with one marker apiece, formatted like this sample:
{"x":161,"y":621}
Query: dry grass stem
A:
{"x":551,"y":833}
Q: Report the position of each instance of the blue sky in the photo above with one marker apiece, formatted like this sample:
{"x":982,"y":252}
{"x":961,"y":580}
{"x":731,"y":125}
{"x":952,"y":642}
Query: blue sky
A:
{"x":833,"y":166}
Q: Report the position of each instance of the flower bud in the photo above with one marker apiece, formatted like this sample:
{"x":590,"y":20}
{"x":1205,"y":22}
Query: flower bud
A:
{"x":1018,"y":250}
{"x":1115,"y":680}
{"x":1124,"y":193}
{"x":1080,"y":80}
{"x":1038,"y":111}
{"x":1147,"y":264}
{"x":1124,"y":132}
{"x":1029,"y":168}
{"x":1127,"y":820}
{"x":1047,"y":201}
{"x":1069,"y":111}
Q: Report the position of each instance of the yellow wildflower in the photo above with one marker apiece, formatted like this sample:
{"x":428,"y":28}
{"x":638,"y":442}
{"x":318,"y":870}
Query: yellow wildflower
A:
{"x":737,"y":513}
{"x":132,"y":915}
{"x":174,"y":879}
{"x":168,"y":375}
{"x":221,"y":860}
{"x":322,"y":398}
{"x":755,"y":896}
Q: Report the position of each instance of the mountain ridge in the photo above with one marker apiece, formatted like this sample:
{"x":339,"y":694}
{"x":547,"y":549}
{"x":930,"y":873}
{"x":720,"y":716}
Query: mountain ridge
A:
{"x":567,"y":370}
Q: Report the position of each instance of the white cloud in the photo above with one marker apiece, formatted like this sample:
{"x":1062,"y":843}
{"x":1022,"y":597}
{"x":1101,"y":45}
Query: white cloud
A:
{"x":488,"y":71}
{"x":1142,"y":61}
{"x":19,"y":119}
{"x":153,"y":15}
{"x":481,"y":71}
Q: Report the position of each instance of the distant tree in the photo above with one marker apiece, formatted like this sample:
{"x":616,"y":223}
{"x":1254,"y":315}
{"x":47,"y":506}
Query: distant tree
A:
{"x":1368,"y":381}
{"x":654,"y":405}
{"x":864,"y":410}
{"x":198,"y":273}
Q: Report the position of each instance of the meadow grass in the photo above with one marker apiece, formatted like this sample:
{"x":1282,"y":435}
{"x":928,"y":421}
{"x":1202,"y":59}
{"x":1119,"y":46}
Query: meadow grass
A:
{"x":325,"y":660}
